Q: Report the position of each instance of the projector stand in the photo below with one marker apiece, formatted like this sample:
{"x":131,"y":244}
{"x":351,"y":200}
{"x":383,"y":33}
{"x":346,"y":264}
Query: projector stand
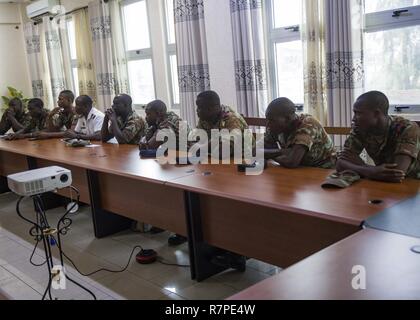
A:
{"x":42,"y":231}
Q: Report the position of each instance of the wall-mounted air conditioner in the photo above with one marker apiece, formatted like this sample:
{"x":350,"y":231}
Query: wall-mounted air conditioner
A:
{"x":41,"y":7}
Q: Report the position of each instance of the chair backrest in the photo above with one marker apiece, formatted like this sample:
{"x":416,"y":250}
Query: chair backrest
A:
{"x":339,"y":131}
{"x":261,"y":122}
{"x":255,"y":122}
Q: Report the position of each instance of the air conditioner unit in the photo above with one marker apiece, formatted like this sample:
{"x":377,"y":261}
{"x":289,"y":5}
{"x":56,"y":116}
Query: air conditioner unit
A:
{"x":42,"y":7}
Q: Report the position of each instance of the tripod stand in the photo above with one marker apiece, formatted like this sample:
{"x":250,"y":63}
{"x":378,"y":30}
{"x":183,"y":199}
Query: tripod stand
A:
{"x":42,"y":231}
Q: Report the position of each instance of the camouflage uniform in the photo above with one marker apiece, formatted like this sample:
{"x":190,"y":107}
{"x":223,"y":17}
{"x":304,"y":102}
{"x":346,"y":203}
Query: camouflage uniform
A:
{"x":403,"y":138}
{"x":37,"y":124}
{"x":172,"y":122}
{"x":133,"y":128}
{"x":307,"y":132}
{"x":229,"y":120}
{"x":6,"y":125}
{"x":61,"y":121}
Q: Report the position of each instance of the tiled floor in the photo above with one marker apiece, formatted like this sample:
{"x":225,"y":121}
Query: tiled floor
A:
{"x":21,"y":280}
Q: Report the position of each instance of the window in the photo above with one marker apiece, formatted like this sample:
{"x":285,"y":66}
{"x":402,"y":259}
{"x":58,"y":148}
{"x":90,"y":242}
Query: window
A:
{"x":73,"y":54}
{"x":285,"y":49}
{"x":171,"y":52}
{"x":392,"y":32}
{"x":139,"y":51}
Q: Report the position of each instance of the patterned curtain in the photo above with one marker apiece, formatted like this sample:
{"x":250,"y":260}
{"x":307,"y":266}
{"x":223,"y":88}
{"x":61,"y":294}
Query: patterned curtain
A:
{"x":193,"y":68}
{"x":85,"y":70}
{"x":35,"y":60}
{"x":313,"y":38}
{"x":332,"y":36}
{"x":249,"y":53}
{"x":344,"y":52}
{"x":60,"y":79}
{"x":110,"y":67}
{"x":118,"y":50}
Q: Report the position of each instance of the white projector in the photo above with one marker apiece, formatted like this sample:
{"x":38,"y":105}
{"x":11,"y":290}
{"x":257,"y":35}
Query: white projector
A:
{"x":33,"y":182}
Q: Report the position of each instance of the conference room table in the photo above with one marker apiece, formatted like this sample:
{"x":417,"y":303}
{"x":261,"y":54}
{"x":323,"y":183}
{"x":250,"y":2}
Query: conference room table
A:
{"x":370,"y":265}
{"x":281,"y":216}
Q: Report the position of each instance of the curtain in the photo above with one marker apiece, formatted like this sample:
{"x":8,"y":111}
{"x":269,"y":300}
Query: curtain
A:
{"x":313,"y":38}
{"x":33,"y":42}
{"x":59,"y":78}
{"x":118,"y":49}
{"x":193,"y":67}
{"x":332,"y":33}
{"x":85,"y":70}
{"x":249,"y":55}
{"x":110,"y":62}
{"x":344,"y":58}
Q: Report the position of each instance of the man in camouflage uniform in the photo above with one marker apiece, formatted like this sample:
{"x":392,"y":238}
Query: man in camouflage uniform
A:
{"x":37,"y":123}
{"x":159,"y":118}
{"x":14,"y":117}
{"x":61,"y":118}
{"x":213,"y":115}
{"x":301,"y":138}
{"x":392,"y":142}
{"x":122,"y":122}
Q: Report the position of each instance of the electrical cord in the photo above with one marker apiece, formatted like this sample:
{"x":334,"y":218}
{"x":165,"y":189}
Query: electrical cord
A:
{"x":41,"y":224}
{"x":102,"y":269}
{"x":42,"y":232}
{"x":160,"y":260}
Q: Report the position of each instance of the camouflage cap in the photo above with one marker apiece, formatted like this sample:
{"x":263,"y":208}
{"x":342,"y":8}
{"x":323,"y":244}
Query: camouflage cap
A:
{"x":341,"y":179}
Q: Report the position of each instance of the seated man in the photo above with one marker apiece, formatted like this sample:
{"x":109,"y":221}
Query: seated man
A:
{"x":126,"y":125}
{"x":14,"y":117}
{"x":37,"y":123}
{"x":61,"y":118}
{"x":302,"y":138}
{"x":213,"y":115}
{"x":392,"y":142}
{"x":89,"y":124}
{"x":158,"y":118}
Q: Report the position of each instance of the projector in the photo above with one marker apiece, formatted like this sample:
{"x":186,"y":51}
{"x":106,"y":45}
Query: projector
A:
{"x":33,"y":182}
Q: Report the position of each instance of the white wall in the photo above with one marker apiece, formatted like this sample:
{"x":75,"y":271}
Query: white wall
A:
{"x":220,"y":50}
{"x":13,"y":65}
{"x":70,"y":5}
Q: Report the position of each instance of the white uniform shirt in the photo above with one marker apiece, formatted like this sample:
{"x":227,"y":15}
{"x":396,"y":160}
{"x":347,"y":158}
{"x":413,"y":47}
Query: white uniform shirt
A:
{"x":91,"y":124}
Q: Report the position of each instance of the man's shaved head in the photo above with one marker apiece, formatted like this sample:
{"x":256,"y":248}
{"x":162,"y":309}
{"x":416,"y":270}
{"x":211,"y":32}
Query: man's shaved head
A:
{"x":374,"y":100}
{"x":155,"y":112}
{"x":122,"y":105}
{"x":281,"y":107}
{"x":280,"y":115}
{"x":370,"y":112}
{"x":157,"y":106}
{"x":125,"y":99}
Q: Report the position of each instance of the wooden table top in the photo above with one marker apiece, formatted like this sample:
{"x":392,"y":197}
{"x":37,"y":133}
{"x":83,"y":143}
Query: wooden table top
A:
{"x":123,"y":160}
{"x":392,"y":271}
{"x":298,"y":190}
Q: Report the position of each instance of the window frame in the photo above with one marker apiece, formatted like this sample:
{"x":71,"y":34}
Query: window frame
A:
{"x":138,"y":54}
{"x":170,"y":51}
{"x":278,"y":35}
{"x":73,"y":62}
{"x":385,"y":21}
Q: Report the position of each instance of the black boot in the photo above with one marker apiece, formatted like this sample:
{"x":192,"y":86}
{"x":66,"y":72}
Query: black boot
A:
{"x":230,"y":260}
{"x":176,"y":240}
